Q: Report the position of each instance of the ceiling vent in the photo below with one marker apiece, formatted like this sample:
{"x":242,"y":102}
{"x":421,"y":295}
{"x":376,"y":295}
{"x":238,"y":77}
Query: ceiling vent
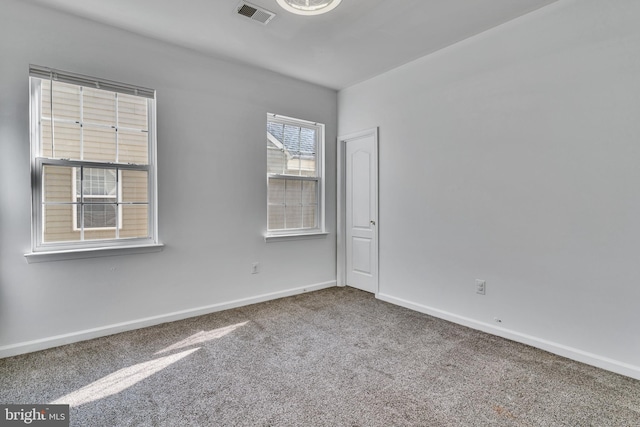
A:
{"x":254,"y":12}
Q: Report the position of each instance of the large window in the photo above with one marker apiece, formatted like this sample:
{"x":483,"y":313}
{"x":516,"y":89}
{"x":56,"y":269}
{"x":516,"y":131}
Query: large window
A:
{"x":295,"y":173}
{"x":93,"y":162}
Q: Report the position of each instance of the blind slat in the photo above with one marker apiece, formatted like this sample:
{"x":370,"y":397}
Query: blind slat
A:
{"x":78,"y":79}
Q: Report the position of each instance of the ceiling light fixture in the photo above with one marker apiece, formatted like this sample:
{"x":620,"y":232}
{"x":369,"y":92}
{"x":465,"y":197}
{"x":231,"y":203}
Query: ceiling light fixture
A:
{"x":308,"y":7}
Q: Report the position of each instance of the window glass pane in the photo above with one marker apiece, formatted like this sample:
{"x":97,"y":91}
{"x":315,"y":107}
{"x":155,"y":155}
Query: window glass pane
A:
{"x":66,"y":102}
{"x":307,"y":141}
{"x":97,"y":214}
{"x":133,"y":147}
{"x":135,"y":186}
{"x":276,"y":130}
{"x":135,"y":220}
{"x":309,"y":193}
{"x":275,"y":214}
{"x":58,"y":224}
{"x":293,"y":193}
{"x":309,"y":217}
{"x":308,"y":152}
{"x":276,"y":159}
{"x":132,"y":112}
{"x":296,"y":148}
{"x":45,"y":94}
{"x":276,"y":191}
{"x":293,"y":215}
{"x":308,"y":166}
{"x":93,"y":216}
{"x":98,"y":107}
{"x":66,"y":140}
{"x":58,"y":184}
{"x":293,"y":165}
{"x":291,"y":141}
{"x":97,"y":182}
{"x":99,"y":144}
{"x":47,"y":138}
{"x":100,"y":234}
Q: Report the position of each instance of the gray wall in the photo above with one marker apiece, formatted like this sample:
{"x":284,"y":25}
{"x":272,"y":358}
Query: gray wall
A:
{"x":513,"y":157}
{"x":212,"y":186}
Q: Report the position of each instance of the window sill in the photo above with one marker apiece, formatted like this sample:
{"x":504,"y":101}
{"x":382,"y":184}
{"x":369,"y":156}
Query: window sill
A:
{"x":300,"y":236}
{"x":34,"y":257}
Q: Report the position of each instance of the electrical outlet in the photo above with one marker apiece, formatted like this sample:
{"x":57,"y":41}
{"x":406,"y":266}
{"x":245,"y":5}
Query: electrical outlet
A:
{"x":255,"y":268}
{"x":481,"y":286}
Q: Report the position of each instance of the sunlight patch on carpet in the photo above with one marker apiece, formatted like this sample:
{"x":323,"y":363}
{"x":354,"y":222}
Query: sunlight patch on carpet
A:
{"x":120,"y":380}
{"x":202,"y":336}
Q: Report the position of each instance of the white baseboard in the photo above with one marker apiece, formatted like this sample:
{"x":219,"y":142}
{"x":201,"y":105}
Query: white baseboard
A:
{"x":87,"y":334}
{"x":552,"y":347}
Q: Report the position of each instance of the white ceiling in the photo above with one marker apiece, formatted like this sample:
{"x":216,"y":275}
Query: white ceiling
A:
{"x":356,"y":41}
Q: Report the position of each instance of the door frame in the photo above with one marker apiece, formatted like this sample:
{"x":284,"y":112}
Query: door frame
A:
{"x":341,"y":264}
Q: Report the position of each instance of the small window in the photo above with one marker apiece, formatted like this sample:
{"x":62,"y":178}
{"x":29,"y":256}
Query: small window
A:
{"x":93,"y":162}
{"x":100,"y":196}
{"x":295,"y":176}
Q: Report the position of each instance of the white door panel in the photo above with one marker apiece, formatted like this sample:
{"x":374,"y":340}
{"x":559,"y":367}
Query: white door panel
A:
{"x":361,"y":255}
{"x":359,"y":188}
{"x":361,"y":177}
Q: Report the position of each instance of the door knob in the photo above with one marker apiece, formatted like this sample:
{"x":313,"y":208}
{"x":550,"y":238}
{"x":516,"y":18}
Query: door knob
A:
{"x":372,"y":222}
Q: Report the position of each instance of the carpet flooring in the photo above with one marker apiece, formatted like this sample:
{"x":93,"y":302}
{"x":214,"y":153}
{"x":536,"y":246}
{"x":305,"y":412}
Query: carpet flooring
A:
{"x":336,"y":357}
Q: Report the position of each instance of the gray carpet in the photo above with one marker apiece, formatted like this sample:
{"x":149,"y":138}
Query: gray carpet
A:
{"x":336,"y":357}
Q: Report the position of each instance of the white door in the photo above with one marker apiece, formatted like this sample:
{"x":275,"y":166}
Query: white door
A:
{"x":361,"y":211}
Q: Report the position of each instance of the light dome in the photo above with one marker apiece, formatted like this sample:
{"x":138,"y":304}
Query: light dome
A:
{"x":309,"y":7}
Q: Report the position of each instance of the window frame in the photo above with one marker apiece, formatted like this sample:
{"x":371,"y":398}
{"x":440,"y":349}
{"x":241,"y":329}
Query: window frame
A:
{"x":319,"y":229}
{"x":87,"y":248}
